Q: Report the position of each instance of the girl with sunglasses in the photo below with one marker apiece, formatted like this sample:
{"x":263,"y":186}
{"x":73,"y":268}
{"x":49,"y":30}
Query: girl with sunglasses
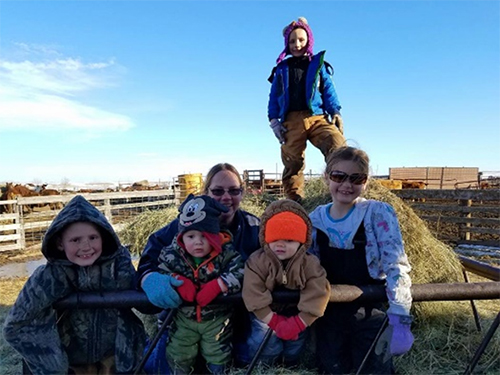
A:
{"x":359,"y":242}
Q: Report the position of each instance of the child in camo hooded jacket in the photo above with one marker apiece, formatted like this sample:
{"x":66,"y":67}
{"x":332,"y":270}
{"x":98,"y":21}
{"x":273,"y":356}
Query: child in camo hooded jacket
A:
{"x":83,"y":254}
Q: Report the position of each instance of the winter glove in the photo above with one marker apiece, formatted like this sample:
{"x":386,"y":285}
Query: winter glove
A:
{"x":279,"y":130}
{"x":275,"y":320}
{"x":208,"y":292}
{"x":397,"y":338}
{"x":338,"y":122}
{"x":290,"y":328}
{"x":160,"y":290}
{"x":187,"y":290}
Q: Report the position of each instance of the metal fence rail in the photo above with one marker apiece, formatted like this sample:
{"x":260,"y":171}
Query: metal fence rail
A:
{"x":339,"y":294}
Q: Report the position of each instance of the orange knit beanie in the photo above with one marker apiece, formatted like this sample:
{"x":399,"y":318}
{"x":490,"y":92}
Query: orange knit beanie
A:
{"x":286,"y":226}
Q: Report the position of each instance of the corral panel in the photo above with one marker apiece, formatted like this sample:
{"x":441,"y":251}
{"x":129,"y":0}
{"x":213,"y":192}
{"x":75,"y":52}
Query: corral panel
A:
{"x":438,"y":177}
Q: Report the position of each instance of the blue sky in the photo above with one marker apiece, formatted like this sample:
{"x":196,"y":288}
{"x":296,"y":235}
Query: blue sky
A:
{"x":101,"y":91}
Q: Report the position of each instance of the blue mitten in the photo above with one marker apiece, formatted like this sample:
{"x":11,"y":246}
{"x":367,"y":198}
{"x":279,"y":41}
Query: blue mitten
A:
{"x":397,"y":338}
{"x":160,"y":290}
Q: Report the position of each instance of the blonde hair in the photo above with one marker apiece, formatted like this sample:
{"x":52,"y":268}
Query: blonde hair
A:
{"x":216,"y":169}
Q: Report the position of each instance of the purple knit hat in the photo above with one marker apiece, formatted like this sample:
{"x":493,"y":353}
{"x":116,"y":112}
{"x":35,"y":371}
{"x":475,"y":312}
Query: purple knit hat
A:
{"x":301,"y":23}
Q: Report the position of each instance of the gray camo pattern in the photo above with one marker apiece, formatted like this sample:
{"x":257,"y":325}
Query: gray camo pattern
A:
{"x":82,"y":336}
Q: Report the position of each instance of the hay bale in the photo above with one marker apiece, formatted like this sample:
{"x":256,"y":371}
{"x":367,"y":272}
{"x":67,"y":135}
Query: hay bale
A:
{"x":136,"y":233}
{"x":439,"y":347}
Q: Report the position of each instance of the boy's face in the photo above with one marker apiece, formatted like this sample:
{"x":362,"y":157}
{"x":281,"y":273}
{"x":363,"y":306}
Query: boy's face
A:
{"x":82,"y":243}
{"x":196,"y":244}
{"x":297,"y":42}
{"x":284,"y":249}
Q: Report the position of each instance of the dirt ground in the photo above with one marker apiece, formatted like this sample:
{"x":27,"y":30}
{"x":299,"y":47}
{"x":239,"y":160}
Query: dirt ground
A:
{"x":31,"y":253}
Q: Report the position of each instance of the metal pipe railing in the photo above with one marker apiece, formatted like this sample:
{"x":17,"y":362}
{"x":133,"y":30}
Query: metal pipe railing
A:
{"x":480,"y":268}
{"x":339,"y":294}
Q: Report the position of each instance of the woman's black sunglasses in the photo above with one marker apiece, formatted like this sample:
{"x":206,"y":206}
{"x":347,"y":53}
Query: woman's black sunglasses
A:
{"x":355,"y":178}
{"x":219,"y":192}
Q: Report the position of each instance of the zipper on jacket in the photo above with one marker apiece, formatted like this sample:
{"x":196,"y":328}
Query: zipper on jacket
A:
{"x":315,"y":84}
{"x":290,"y":262}
{"x":91,"y":339}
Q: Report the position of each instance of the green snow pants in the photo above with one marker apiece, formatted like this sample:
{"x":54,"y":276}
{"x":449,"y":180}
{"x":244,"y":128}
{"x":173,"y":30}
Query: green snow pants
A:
{"x":211,"y":337}
{"x":301,"y":128}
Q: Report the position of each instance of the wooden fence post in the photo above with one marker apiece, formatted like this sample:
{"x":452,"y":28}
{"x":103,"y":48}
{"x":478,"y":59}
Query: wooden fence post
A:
{"x":463,"y":232}
{"x":107,"y":210}
{"x":18,"y":210}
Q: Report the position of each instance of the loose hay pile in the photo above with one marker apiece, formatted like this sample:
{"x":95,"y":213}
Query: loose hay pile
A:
{"x":136,"y":233}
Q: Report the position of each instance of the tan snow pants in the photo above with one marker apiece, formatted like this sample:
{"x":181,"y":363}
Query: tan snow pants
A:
{"x":301,"y":128}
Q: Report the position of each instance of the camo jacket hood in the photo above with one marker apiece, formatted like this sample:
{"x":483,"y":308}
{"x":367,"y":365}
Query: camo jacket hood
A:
{"x":81,"y":336}
{"x":79,"y":209}
{"x":226,"y":264}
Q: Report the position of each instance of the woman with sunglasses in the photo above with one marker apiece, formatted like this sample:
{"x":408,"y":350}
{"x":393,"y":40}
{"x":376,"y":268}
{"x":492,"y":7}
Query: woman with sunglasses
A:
{"x":359,"y":242}
{"x":224,"y":184}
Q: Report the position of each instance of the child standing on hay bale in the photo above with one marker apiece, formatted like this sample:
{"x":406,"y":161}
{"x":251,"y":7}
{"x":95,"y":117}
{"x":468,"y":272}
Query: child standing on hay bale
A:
{"x":359,"y":242}
{"x":205,"y":264}
{"x":83,"y":254}
{"x":283,"y":263}
{"x":301,"y":99}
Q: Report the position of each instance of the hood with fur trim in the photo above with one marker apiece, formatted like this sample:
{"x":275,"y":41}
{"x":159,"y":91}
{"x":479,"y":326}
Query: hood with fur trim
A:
{"x":283,"y":205}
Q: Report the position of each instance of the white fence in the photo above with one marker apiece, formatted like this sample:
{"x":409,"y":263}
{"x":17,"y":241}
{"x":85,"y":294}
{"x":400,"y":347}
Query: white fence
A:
{"x":29,"y":217}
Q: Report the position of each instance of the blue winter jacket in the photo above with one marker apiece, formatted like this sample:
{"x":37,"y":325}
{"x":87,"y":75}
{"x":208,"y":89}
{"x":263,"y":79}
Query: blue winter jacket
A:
{"x":319,"y":100}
